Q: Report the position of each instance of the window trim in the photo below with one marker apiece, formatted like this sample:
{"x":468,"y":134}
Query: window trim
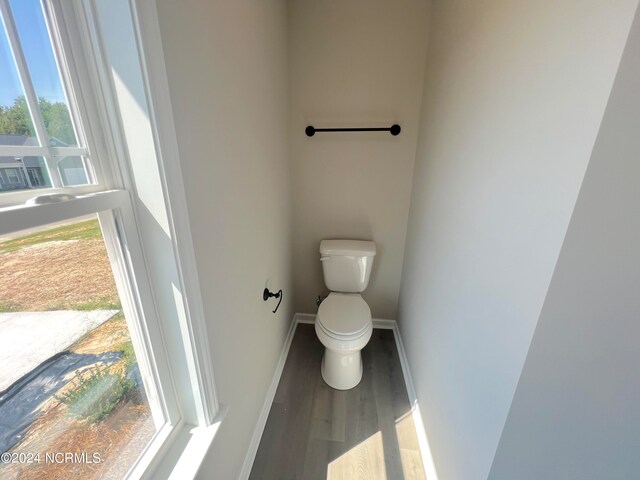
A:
{"x":146,"y":24}
{"x":124,"y":249}
{"x":185,"y":449}
{"x":208,"y":412}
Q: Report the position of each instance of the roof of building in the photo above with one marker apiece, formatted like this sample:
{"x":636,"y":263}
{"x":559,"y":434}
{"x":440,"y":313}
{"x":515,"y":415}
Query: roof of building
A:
{"x":18,"y":140}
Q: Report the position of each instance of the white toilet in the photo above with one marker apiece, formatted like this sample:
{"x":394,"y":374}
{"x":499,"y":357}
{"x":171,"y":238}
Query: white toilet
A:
{"x":343,"y":323}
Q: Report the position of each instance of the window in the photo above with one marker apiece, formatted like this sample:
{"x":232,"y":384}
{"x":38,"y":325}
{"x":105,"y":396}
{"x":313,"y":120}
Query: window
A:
{"x":38,"y":117}
{"x":138,"y":360}
{"x":36,"y":176}
{"x":12,"y":175}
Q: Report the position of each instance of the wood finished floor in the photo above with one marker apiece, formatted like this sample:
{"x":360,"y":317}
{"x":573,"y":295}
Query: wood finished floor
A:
{"x":315,"y":432}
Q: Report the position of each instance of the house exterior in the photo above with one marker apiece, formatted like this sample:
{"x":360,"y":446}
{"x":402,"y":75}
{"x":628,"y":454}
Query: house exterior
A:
{"x":18,"y":173}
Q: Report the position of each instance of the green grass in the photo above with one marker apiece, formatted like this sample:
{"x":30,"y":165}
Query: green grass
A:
{"x":6,"y":307}
{"x":98,"y":305}
{"x":95,"y":396}
{"x":128,"y":355}
{"x":89,"y":229}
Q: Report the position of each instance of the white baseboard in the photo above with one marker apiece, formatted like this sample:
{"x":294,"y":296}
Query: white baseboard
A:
{"x":404,"y":363}
{"x":384,"y":324}
{"x":307,"y":318}
{"x":310,"y":318}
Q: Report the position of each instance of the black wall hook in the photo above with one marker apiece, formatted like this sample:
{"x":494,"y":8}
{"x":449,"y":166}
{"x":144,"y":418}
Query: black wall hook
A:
{"x":266,"y":295}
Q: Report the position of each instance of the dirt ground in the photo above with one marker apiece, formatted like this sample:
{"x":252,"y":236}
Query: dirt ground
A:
{"x":68,"y":269}
{"x":57,"y":275}
{"x":118,"y":440}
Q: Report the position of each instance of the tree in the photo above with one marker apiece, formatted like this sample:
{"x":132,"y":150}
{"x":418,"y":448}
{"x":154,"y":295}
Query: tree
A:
{"x":15,"y":119}
{"x":57,"y":120}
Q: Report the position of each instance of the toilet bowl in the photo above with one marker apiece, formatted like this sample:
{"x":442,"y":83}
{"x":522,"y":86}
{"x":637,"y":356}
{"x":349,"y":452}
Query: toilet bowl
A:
{"x":343,"y":323}
{"x":344,"y":327}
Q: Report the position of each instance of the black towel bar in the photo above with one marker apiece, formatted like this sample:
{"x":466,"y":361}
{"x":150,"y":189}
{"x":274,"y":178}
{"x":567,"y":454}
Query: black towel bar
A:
{"x":393,"y":129}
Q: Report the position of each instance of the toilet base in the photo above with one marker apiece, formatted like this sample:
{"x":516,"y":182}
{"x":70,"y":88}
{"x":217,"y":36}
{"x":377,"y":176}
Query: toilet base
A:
{"x":341,"y":370}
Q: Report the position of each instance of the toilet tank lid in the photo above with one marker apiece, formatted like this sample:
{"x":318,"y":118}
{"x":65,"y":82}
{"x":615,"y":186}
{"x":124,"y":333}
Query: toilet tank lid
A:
{"x":360,"y":248}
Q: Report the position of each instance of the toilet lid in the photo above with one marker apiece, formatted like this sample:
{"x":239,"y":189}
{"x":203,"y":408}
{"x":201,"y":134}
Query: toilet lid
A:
{"x":344,"y":314}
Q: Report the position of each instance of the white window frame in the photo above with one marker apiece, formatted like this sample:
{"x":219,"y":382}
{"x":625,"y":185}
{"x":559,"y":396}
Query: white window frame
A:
{"x":188,"y":420}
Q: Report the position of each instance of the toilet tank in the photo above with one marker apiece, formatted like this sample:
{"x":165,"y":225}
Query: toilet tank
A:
{"x":346,"y":264}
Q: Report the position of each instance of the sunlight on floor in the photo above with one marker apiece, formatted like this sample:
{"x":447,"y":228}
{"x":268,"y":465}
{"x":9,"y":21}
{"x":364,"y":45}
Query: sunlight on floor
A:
{"x":365,"y":461}
{"x":412,"y":468}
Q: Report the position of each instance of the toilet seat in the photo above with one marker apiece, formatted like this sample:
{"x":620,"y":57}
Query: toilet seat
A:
{"x":344,"y":316}
{"x":342,"y":338}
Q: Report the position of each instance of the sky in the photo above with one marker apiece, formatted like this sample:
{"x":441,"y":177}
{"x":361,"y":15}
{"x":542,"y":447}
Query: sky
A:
{"x":33,"y":34}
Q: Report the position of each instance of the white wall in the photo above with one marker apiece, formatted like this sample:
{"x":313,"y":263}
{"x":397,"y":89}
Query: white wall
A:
{"x":514,"y":95}
{"x":227,"y":69}
{"x":576,"y":411}
{"x":355,"y":63}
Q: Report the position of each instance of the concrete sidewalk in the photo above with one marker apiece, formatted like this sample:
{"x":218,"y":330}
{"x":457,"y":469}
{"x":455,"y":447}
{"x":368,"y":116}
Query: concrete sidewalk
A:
{"x":29,"y":338}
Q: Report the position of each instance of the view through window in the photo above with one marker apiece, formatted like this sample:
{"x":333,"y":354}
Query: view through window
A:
{"x":69,"y":377}
{"x":39,"y":144}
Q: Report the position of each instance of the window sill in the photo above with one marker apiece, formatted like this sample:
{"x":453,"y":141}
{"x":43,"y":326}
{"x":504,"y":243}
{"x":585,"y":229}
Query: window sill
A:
{"x":181,"y":453}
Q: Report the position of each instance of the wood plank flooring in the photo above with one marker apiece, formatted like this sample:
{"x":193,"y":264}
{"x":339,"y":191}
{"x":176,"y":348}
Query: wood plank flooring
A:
{"x":316,"y":432}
